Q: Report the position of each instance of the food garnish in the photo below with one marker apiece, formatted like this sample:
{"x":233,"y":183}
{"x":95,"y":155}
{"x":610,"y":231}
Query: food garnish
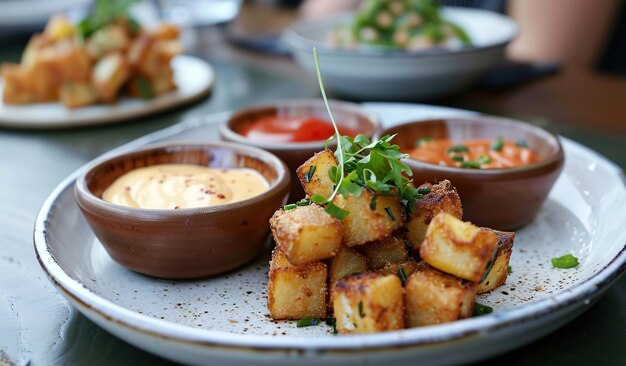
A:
{"x":565,"y":261}
{"x":480,"y":309}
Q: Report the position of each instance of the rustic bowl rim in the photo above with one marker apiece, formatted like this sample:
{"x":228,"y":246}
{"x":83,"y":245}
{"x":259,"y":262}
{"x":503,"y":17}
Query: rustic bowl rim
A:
{"x":82,"y":192}
{"x":556,"y":157}
{"x":226,"y":129}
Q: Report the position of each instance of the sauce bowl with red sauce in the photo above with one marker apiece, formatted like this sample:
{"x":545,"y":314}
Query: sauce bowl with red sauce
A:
{"x":503,"y":169}
{"x":296,"y":129}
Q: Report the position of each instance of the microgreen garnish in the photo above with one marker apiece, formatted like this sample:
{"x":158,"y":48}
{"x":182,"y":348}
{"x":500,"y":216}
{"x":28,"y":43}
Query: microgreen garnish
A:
{"x":374,"y":166}
{"x":565,"y":261}
{"x":498,"y":144}
{"x":480,"y":309}
{"x":423,"y":190}
{"x":306,"y":322}
{"x":361,"y":314}
{"x":458,"y":148}
{"x":420,"y":140}
{"x":308,"y":175}
{"x":103,"y":13}
{"x":290,"y":206}
{"x":457,"y":157}
{"x":401,"y":274}
{"x":336,"y":211}
{"x":390,"y":213}
{"x":521,"y":143}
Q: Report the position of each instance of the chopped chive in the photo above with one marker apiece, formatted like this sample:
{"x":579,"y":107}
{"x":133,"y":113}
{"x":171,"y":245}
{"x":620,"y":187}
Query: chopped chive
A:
{"x":566,"y":261}
{"x":423,"y":190}
{"x":484,"y":159}
{"x":458,"y":148}
{"x":308,"y":175}
{"x":305,"y":322}
{"x":402,"y":275}
{"x":509,"y":269}
{"x":361,"y":314}
{"x":330,"y":321}
{"x":521,"y":143}
{"x":336,"y":211}
{"x":390,"y":213}
{"x":457,"y":157}
{"x":419,"y":141}
{"x":498,"y":144}
{"x":480,"y":309}
{"x":471,"y":164}
{"x":290,"y":206}
{"x":373,"y":201}
{"x":303,"y":202}
{"x":318,"y":198}
{"x":408,"y":245}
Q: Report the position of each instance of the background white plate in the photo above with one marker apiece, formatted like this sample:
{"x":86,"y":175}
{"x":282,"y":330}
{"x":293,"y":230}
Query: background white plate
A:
{"x":224,"y":320}
{"x":193,"y":77}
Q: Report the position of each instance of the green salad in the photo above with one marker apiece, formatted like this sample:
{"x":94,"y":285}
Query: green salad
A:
{"x":399,"y":24}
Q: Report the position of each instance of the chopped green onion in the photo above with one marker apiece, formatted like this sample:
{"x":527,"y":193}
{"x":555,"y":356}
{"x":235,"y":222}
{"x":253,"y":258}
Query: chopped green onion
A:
{"x":390,"y":213}
{"x":336,"y":211}
{"x":480,"y":309}
{"x":402,"y":275}
{"x":471,"y":164}
{"x":521,"y":143}
{"x":458,"y":148}
{"x":361,"y":314}
{"x":308,"y":175}
{"x":509,"y":269}
{"x":423,"y":190}
{"x":498,"y":144}
{"x":457,"y":157}
{"x":318,"y":198}
{"x":306,"y":322}
{"x":421,"y":140}
{"x":484,"y":159}
{"x":290,"y":206}
{"x":303,"y":202}
{"x":566,"y":261}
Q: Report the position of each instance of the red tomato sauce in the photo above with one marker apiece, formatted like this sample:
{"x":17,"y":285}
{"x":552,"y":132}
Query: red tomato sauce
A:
{"x":476,"y":154}
{"x":291,"y":129}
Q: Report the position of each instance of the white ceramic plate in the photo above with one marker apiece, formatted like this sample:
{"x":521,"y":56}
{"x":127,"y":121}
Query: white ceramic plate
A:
{"x":400,"y":75}
{"x":224,"y":320}
{"x":193,"y":77}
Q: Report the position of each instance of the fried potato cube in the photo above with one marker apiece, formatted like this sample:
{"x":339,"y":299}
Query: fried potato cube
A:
{"x":500,"y":269}
{"x":434,"y":297}
{"x":407,"y":267}
{"x":458,"y":248}
{"x":348,"y":261}
{"x":59,"y":27}
{"x":442,"y":198}
{"x":296,"y":292}
{"x":313,"y":174}
{"x":17,"y":88}
{"x":109,"y":75}
{"x":363,"y":224}
{"x":306,"y":233}
{"x":386,"y":251}
{"x":77,"y":94}
{"x":368,"y":302}
{"x":111,"y":38}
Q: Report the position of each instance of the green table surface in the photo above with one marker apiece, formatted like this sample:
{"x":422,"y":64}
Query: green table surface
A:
{"x":38,"y":327}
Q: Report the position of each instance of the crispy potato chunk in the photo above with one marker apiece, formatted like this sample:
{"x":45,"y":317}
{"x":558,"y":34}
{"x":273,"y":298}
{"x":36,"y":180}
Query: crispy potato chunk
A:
{"x":17,"y":87}
{"x":296,"y":292}
{"x":111,"y":38}
{"x":442,"y":198}
{"x":434,"y":297}
{"x":386,"y":251}
{"x":347,"y":262}
{"x":313,"y":174}
{"x":408,"y":268}
{"x":499,"y":271}
{"x":458,"y":248}
{"x":77,"y":94}
{"x":109,"y":74}
{"x":306,"y":233}
{"x":363,"y":224}
{"x":368,"y":302}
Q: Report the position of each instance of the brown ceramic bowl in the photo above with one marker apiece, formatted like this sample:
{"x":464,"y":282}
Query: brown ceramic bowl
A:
{"x":349,"y":115}
{"x":188,"y":242}
{"x":503,"y":199}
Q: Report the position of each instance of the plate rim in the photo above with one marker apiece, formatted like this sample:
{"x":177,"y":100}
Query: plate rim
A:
{"x":414,"y":337}
{"x":147,"y":108}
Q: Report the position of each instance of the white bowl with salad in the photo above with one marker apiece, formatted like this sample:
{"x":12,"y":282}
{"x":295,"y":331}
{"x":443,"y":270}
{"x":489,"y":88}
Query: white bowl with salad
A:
{"x":402,"y":49}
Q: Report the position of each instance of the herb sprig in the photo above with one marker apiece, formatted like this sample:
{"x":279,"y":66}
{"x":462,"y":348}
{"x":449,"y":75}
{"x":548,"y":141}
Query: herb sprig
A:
{"x":105,"y":12}
{"x":366,"y":165}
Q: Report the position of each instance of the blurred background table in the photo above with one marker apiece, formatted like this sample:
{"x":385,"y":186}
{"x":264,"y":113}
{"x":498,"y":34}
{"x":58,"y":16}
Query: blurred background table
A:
{"x":38,"y":327}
